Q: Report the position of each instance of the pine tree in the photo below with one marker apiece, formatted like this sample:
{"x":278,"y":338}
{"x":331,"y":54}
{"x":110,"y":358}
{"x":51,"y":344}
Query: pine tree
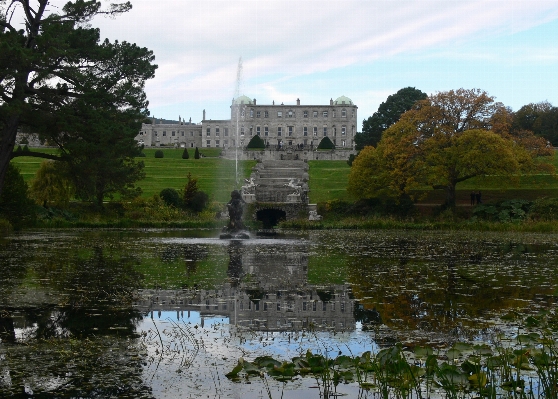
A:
{"x":185,"y":154}
{"x":197,"y":154}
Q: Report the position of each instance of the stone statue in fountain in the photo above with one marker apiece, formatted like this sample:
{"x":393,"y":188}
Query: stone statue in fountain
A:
{"x":235,"y":228}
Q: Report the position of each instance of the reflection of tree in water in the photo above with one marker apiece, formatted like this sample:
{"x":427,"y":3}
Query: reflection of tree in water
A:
{"x":97,"y":321}
{"x":189,"y":253}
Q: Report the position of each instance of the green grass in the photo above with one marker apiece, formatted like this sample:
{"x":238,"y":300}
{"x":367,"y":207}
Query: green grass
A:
{"x":328,"y":179}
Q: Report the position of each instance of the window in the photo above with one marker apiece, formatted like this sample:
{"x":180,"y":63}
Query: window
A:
{"x":343,"y":113}
{"x":208,"y":131}
{"x":342,"y":307}
{"x":258,"y":130}
{"x":216,"y":143}
{"x":226,"y":132}
{"x":265,"y":306}
{"x":279,"y":114}
{"x":305,"y":131}
{"x":279,"y":131}
{"x":242,"y":130}
{"x":325,"y":131}
{"x":315,"y":114}
{"x":192,"y":145}
{"x":191,"y":134}
{"x":226,"y":142}
{"x":208,"y":143}
{"x":334,"y":131}
{"x":290,"y":130}
{"x":333,"y":114}
{"x":251,"y":131}
{"x":242,"y":113}
{"x":324,"y":114}
{"x":344,"y":143}
{"x":290,"y":114}
{"x":266,"y":131}
{"x":305,"y":114}
{"x":303,"y":305}
{"x":278,"y":307}
{"x":257,"y":114}
{"x":217,"y":130}
{"x":251,"y":113}
{"x":266,"y":114}
{"x":182,"y":134}
{"x":343,"y":130}
{"x":314,"y":306}
{"x":173,"y":134}
{"x":164,"y":133}
{"x":315,"y":130}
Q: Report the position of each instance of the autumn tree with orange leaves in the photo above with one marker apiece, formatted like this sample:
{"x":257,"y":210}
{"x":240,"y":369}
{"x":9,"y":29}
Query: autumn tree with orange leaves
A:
{"x":446,"y":139}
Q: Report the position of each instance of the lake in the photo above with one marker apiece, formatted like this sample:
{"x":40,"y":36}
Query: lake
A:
{"x":168,"y":313}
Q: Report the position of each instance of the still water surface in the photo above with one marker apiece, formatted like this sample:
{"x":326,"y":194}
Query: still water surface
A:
{"x":159,"y":313}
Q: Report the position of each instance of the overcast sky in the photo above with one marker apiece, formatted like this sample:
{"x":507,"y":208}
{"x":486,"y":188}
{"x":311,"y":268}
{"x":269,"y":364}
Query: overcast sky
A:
{"x":317,"y":50}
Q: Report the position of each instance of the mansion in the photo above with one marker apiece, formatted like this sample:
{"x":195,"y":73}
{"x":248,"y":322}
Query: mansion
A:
{"x":280,"y":126}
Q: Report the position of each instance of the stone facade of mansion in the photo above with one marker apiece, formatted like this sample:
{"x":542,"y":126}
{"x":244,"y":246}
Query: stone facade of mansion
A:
{"x":281,"y":126}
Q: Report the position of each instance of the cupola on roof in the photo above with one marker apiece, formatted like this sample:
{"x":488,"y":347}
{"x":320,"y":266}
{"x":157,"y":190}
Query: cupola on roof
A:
{"x":244,"y":100}
{"x":343,"y":100}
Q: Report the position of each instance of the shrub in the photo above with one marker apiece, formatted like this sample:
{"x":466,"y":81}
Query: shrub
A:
{"x":185,"y":154}
{"x":15,"y":205}
{"x":197,"y":154}
{"x":25,"y":148}
{"x":326,"y":144}
{"x":256,"y":142}
{"x":544,"y":209}
{"x":199,"y":201}
{"x":159,"y":154}
{"x":141,"y":155}
{"x":513,"y":210}
{"x":170,"y":197}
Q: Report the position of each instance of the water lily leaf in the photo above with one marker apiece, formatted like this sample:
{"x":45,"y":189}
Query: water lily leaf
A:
{"x":479,"y":379}
{"x":462,"y":346}
{"x":483,"y":350}
{"x":453,"y":354}
{"x":266,"y":361}
{"x":251,"y":369}
{"x":344,"y":361}
{"x":237,"y":369}
{"x":367,"y":385}
{"x":422,"y":352}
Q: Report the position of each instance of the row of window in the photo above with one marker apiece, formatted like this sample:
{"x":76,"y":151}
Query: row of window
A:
{"x":292,"y":114}
{"x":173,"y":133}
{"x":290,"y":306}
{"x":290,"y":131}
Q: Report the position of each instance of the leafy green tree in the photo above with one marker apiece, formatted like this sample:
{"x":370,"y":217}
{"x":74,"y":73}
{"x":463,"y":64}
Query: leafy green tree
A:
{"x":58,"y":64}
{"x":159,"y":154}
{"x":185,"y":154}
{"x":540,"y":118}
{"x":51,"y":185}
{"x":190,"y":190}
{"x":197,"y":154}
{"x":99,"y":150}
{"x":387,"y":114}
{"x":448,"y":138}
{"x":256,"y":142}
{"x":326,"y":144}
{"x":15,"y":205}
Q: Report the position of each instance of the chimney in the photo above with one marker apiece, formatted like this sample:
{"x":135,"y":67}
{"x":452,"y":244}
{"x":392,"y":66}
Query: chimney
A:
{"x":298,"y":101}
{"x":331,"y":101}
{"x":204,"y":114}
{"x":254,"y":101}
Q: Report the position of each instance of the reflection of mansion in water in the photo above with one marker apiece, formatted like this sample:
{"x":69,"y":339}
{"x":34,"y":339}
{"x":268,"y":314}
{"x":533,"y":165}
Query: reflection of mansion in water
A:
{"x":281,"y":126}
{"x":265,"y":292}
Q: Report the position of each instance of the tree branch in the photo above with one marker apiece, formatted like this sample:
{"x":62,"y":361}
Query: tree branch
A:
{"x":35,"y":154}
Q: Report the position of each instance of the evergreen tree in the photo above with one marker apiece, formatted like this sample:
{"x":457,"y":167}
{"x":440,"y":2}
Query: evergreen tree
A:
{"x":256,"y":142}
{"x":185,"y":154}
{"x":197,"y":154}
{"x":326,"y":144}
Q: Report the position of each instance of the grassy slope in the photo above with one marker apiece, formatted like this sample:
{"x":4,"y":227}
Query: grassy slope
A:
{"x":328,"y":179}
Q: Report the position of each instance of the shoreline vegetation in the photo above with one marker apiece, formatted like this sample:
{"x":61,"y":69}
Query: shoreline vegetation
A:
{"x":529,"y":206}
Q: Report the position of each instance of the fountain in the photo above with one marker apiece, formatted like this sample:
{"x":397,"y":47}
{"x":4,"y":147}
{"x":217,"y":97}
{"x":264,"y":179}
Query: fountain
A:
{"x":235,"y":228}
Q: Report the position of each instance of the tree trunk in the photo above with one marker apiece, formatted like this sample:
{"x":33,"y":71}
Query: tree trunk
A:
{"x":450,"y":195}
{"x":7,"y":146}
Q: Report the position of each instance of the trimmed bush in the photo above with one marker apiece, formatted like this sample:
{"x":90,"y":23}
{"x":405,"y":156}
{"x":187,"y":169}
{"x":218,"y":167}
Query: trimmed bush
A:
{"x":171,"y":197}
{"x":185,"y":154}
{"x":199,"y":201}
{"x":256,"y":142}
{"x":197,"y":154}
{"x":159,"y":154}
{"x":326,"y":144}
